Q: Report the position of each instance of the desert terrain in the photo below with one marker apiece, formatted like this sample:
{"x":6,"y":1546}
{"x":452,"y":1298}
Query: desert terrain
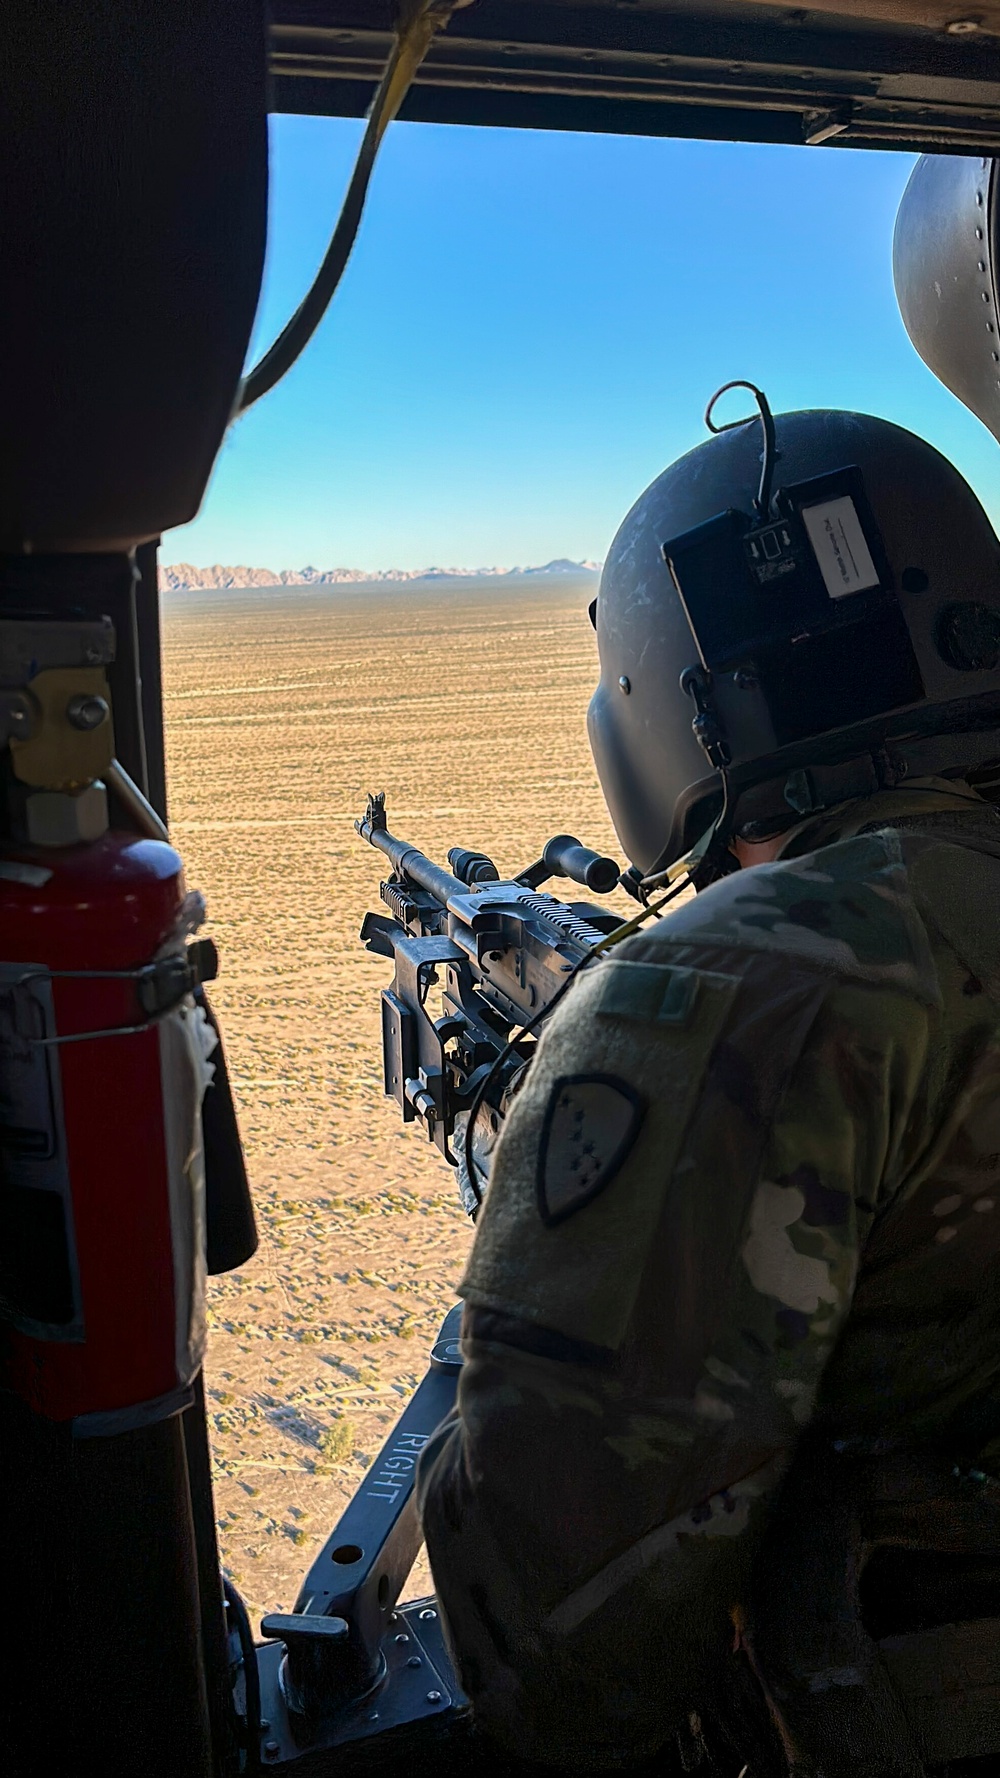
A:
{"x":466,"y":703}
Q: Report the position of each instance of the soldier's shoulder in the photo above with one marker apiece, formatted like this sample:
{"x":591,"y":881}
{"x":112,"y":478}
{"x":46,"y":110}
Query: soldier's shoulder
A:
{"x":955,"y":887}
{"x":847,"y":909}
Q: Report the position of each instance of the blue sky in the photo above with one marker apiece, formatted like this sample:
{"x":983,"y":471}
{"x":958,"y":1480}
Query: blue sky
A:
{"x":528,"y":331}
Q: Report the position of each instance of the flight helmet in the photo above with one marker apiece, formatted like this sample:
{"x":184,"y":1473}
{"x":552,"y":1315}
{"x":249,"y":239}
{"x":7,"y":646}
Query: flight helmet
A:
{"x":801,"y":610}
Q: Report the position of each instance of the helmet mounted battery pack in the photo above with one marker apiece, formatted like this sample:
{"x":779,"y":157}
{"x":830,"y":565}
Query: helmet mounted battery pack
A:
{"x":800,"y":600}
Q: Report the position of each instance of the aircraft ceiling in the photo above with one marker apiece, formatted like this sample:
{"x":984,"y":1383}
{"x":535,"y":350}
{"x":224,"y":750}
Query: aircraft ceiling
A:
{"x":921,"y":75}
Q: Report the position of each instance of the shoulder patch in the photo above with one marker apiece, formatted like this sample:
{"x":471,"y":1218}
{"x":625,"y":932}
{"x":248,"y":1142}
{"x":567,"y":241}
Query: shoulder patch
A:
{"x":590,"y":1124}
{"x":651,"y":993}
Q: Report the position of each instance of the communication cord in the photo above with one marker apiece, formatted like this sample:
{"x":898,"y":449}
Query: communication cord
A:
{"x":417,"y":24}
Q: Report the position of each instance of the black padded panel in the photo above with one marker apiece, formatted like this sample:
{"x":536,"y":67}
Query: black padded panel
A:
{"x":944,"y":257}
{"x":133,"y":210}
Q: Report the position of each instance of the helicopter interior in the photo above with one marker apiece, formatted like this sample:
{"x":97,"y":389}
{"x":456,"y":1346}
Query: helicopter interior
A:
{"x":134,"y":157}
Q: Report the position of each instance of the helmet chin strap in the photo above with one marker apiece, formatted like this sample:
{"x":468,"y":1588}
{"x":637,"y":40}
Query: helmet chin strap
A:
{"x":708,"y":860}
{"x":805,"y":791}
{"x":717,"y":860}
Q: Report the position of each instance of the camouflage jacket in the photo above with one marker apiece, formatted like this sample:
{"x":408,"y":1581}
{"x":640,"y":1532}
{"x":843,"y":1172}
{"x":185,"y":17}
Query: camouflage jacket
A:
{"x":787,"y":1211}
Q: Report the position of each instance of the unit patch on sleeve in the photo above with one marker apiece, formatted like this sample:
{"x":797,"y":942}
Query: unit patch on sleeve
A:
{"x":591,"y":1122}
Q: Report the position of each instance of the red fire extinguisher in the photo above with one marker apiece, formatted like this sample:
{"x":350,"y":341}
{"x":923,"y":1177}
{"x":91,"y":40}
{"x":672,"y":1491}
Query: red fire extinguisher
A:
{"x":104,"y":1059}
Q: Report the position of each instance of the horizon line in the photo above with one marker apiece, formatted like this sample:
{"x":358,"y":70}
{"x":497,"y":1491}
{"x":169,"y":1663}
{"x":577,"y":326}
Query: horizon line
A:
{"x":177,"y":576}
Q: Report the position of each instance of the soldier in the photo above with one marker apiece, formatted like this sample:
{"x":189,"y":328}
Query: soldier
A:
{"x":751,"y":1183}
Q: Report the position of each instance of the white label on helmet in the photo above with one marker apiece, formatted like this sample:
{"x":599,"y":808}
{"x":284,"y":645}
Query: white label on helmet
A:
{"x":839,"y":545}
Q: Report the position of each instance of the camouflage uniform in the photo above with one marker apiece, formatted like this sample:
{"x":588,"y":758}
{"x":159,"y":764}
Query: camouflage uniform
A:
{"x":806,"y":1228}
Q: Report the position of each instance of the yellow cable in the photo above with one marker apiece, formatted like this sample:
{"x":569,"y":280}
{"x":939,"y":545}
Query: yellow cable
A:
{"x":417,"y":24}
{"x":633,"y":925}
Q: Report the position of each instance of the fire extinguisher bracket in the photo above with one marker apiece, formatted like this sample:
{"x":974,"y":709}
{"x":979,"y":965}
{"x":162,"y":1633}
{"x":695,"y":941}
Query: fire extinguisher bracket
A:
{"x":160,"y":986}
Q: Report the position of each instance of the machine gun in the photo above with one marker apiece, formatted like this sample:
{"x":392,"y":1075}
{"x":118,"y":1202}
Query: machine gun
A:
{"x":479,"y":963}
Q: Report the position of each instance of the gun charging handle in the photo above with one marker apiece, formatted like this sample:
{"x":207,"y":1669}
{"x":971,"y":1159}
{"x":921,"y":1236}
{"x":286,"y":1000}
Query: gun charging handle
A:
{"x":565,"y":857}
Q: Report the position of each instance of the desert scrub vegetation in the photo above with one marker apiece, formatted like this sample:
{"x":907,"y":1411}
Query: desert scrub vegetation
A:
{"x":335,"y":1446}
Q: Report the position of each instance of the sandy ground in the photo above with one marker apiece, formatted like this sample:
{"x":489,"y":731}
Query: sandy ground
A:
{"x":466,"y":704}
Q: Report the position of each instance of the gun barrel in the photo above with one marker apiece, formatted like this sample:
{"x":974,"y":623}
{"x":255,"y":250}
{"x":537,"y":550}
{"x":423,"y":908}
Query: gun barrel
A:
{"x":412,"y":863}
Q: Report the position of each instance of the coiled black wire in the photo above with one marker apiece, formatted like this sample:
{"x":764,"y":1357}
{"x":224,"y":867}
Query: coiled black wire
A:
{"x":251,"y":1677}
{"x":763,"y":500}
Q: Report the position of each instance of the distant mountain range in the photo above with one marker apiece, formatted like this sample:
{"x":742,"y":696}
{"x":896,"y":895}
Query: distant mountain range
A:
{"x":183,"y":577}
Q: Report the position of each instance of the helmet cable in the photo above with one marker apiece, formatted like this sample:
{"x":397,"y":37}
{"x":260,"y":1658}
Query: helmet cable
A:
{"x":762,"y":503}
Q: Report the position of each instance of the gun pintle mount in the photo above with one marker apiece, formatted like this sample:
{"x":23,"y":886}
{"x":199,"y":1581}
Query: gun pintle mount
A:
{"x":498,"y":950}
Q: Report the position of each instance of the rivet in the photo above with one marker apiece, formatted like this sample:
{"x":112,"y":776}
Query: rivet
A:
{"x":433,"y":1697}
{"x":625,"y":684}
{"x":981,"y":264}
{"x":744,"y":680}
{"x":962,"y":27}
{"x":373,"y":1716}
{"x":989,"y":327}
{"x":996,"y":357}
{"x":979,"y":199}
{"x":265,"y":1722}
{"x":271,"y":1748}
{"x":414,"y":1661}
{"x":87,"y":712}
{"x":985,"y":295}
{"x":425,"y":1616}
{"x":979,"y":234}
{"x":402,"y":1637}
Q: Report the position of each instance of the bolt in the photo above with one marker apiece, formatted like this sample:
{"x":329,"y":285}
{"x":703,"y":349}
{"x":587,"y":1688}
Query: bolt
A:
{"x":87,"y":711}
{"x":625,"y":684}
{"x":414,"y":1661}
{"x":19,"y":716}
{"x":427,"y":1614}
{"x":433,"y":1697}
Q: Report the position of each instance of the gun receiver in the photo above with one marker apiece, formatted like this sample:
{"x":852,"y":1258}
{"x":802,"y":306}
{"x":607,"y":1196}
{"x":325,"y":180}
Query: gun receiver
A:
{"x":497,"y":952}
